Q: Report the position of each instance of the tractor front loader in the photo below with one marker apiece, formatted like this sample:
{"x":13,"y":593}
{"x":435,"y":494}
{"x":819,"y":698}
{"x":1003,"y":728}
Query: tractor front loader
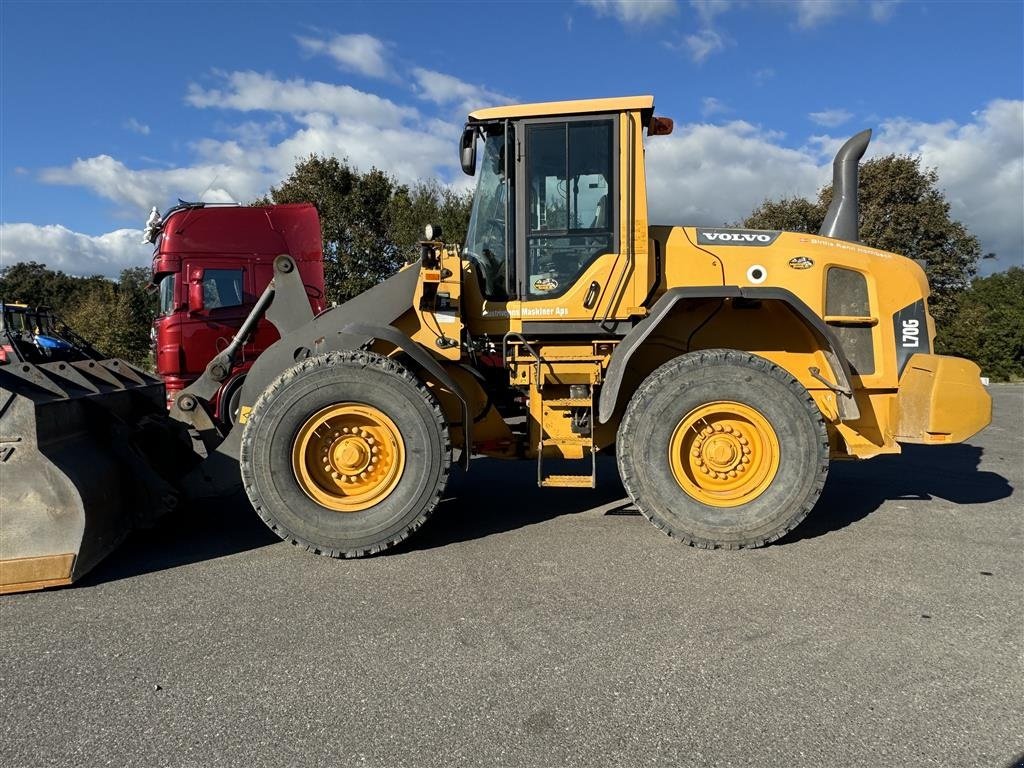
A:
{"x":725,"y":368}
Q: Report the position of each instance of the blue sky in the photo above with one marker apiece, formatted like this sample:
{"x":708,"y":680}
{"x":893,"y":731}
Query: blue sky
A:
{"x":110,"y":108}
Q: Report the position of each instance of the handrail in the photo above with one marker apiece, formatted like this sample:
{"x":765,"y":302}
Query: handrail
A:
{"x":630,"y":215}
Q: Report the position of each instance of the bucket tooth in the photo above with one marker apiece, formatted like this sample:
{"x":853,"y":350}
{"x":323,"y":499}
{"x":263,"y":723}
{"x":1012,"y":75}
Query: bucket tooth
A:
{"x":21,"y":374}
{"x":67,"y":374}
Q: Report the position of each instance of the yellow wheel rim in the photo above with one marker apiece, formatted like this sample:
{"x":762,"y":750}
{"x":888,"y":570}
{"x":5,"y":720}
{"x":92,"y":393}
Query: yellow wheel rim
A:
{"x":724,"y":454}
{"x":348,"y":457}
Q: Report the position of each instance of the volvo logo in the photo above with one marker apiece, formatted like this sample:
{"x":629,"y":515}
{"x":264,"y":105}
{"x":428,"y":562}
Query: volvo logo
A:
{"x":736,"y":237}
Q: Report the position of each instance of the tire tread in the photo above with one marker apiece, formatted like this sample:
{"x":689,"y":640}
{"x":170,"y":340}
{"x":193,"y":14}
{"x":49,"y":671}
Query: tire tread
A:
{"x":363,"y":359}
{"x":668,"y":375}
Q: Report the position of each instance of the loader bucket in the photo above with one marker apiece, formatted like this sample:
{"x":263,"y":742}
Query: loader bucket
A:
{"x":86,"y":455}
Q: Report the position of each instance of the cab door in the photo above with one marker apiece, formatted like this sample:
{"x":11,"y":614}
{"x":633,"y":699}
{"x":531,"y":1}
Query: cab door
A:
{"x":219,"y":294}
{"x":568,"y":219}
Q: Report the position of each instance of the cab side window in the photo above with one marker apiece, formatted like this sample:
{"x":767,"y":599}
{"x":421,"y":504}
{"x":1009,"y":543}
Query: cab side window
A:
{"x":223,"y":288}
{"x":570,"y":202}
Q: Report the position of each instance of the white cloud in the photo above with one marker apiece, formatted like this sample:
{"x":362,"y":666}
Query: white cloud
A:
{"x":981,"y":170}
{"x":713,"y":106}
{"x":812,"y":13}
{"x":707,"y":10}
{"x":712,"y":174}
{"x":232,"y":180}
{"x":308,"y":117}
{"x":633,"y":11}
{"x":131,"y":124}
{"x":831,"y":118}
{"x":703,"y":44}
{"x":882,"y":10}
{"x":446,"y":90}
{"x":361,"y":53}
{"x":77,"y":254}
{"x":251,"y":91}
{"x":762,"y":76}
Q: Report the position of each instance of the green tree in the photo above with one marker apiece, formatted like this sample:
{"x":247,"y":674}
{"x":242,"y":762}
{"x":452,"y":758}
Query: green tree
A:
{"x":427,"y":202}
{"x":116,"y":318}
{"x":792,"y":214}
{"x":901,"y":210}
{"x":354,"y":213}
{"x":988,"y":326}
{"x":30,"y":282}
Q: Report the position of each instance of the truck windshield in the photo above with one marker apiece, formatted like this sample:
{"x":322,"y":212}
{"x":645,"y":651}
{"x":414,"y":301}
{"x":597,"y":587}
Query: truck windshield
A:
{"x":485,"y":240}
{"x":166,"y":294}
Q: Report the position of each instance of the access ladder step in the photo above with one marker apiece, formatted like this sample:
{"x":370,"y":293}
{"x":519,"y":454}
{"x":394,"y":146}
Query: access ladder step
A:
{"x":569,"y":402}
{"x":569,"y":481}
{"x":585,"y":441}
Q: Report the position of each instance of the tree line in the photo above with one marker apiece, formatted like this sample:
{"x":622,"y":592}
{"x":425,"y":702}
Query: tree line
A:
{"x":371,"y":224}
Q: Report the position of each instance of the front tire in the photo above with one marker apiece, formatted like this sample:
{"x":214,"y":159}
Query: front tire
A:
{"x":345,"y":454}
{"x":723,"y":449}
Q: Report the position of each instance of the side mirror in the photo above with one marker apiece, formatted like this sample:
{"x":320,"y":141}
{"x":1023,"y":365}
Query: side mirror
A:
{"x":467,"y":150}
{"x":196,"y":300}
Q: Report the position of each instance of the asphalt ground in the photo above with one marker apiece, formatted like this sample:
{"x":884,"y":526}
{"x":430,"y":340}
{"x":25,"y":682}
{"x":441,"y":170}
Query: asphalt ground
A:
{"x":551,"y":628}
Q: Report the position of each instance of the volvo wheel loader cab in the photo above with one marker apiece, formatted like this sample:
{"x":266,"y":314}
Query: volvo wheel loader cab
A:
{"x":724,"y":367}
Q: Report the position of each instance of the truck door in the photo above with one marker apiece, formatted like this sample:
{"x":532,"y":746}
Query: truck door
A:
{"x":219,"y":295}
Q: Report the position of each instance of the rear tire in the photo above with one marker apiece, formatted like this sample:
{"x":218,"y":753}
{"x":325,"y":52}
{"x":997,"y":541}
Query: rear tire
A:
{"x":723,"y":449}
{"x":299,"y":420}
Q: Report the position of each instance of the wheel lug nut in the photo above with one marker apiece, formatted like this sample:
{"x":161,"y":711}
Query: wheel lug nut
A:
{"x":335,"y":475}
{"x":743,"y":440}
{"x":717,"y":428}
{"x":746,"y":459}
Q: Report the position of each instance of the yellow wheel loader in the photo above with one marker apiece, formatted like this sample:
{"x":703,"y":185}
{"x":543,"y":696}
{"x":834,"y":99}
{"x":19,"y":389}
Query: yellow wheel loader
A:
{"x":725,"y":369}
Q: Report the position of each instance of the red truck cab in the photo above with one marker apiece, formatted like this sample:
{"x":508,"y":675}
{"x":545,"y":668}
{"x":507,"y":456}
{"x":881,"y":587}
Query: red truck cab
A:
{"x":210,"y":264}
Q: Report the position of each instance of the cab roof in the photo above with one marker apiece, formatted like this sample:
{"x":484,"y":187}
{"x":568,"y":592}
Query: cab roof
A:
{"x":579,"y":106}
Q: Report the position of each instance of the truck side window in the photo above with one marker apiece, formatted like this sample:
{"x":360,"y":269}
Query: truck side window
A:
{"x":570,"y":200}
{"x":223,"y":288}
{"x":167,"y":294}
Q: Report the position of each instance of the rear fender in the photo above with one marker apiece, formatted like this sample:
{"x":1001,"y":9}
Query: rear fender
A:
{"x":839,"y":380}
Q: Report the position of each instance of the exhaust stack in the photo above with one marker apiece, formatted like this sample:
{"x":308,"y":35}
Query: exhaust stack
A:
{"x":841,"y":221}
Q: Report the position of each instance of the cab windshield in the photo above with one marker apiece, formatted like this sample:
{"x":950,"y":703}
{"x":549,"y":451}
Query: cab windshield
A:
{"x":486,"y":237}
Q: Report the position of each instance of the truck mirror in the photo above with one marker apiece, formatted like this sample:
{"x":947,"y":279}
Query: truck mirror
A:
{"x":196,"y":301}
{"x":467,"y":150}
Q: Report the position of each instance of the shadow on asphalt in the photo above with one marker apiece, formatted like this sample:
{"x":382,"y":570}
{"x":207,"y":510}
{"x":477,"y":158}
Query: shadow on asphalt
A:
{"x":855,"y":489}
{"x":500,"y":496}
